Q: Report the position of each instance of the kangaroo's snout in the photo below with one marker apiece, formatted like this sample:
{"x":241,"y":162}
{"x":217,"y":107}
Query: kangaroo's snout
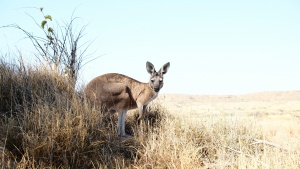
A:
{"x":156,"y":89}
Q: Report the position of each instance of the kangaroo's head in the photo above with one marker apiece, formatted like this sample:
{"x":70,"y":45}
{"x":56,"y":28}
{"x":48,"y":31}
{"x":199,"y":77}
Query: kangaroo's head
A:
{"x":156,"y":81}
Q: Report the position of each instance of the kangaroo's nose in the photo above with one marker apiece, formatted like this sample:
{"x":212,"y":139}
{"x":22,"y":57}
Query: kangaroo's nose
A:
{"x":156,"y":89}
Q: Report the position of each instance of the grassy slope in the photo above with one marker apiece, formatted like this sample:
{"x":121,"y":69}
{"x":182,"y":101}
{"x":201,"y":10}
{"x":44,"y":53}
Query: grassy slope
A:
{"x":45,"y":124}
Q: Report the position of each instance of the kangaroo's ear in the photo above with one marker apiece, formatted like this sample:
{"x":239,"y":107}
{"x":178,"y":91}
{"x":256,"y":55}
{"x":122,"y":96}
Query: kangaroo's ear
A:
{"x":150,"y":68}
{"x":164,"y":69}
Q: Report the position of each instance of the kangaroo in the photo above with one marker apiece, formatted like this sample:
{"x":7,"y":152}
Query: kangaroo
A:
{"x":115,"y":92}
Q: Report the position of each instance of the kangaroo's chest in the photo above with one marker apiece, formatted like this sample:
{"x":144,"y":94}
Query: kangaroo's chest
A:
{"x":151,"y":98}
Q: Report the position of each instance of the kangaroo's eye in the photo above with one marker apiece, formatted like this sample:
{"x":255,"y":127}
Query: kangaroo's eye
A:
{"x":160,"y":79}
{"x":152,"y":80}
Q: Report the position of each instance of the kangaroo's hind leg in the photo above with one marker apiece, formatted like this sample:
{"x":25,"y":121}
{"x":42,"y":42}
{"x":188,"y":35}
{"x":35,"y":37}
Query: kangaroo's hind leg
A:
{"x":121,"y":123}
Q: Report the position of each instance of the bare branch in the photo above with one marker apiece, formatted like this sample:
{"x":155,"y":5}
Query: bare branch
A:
{"x":257,"y":141}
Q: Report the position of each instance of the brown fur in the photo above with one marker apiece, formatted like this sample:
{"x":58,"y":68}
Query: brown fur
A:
{"x":118,"y":93}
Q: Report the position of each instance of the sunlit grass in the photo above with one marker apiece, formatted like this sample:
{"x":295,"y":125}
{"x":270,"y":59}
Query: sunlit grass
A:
{"x":45,"y":123}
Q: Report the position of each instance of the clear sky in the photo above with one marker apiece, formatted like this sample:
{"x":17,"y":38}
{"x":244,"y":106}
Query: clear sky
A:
{"x":214,"y":46}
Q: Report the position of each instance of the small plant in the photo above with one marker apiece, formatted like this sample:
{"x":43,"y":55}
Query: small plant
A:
{"x":60,"y":48}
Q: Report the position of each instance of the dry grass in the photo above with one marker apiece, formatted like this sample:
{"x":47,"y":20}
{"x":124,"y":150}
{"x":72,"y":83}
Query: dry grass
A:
{"x":235,"y":122}
{"x":46,"y":124}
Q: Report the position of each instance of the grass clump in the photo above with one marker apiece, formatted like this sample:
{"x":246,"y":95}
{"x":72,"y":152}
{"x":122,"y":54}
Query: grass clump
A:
{"x":46,"y":123}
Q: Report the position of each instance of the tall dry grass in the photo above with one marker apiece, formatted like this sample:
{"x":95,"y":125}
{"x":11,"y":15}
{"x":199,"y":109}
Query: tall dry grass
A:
{"x":45,"y":123}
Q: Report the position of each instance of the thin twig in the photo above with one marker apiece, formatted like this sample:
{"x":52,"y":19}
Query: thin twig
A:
{"x":257,"y":141}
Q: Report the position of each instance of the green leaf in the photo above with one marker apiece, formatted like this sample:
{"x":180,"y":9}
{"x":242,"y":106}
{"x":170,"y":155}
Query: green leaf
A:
{"x":50,"y":37}
{"x":50,"y":30}
{"x":48,"y":17}
{"x":43,"y":23}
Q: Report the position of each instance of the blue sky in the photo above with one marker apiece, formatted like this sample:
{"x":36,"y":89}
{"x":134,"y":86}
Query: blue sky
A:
{"x":214,"y":46}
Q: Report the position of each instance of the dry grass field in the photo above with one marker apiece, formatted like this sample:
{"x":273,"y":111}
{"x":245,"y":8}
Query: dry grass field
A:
{"x":259,"y":130}
{"x":45,"y":123}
